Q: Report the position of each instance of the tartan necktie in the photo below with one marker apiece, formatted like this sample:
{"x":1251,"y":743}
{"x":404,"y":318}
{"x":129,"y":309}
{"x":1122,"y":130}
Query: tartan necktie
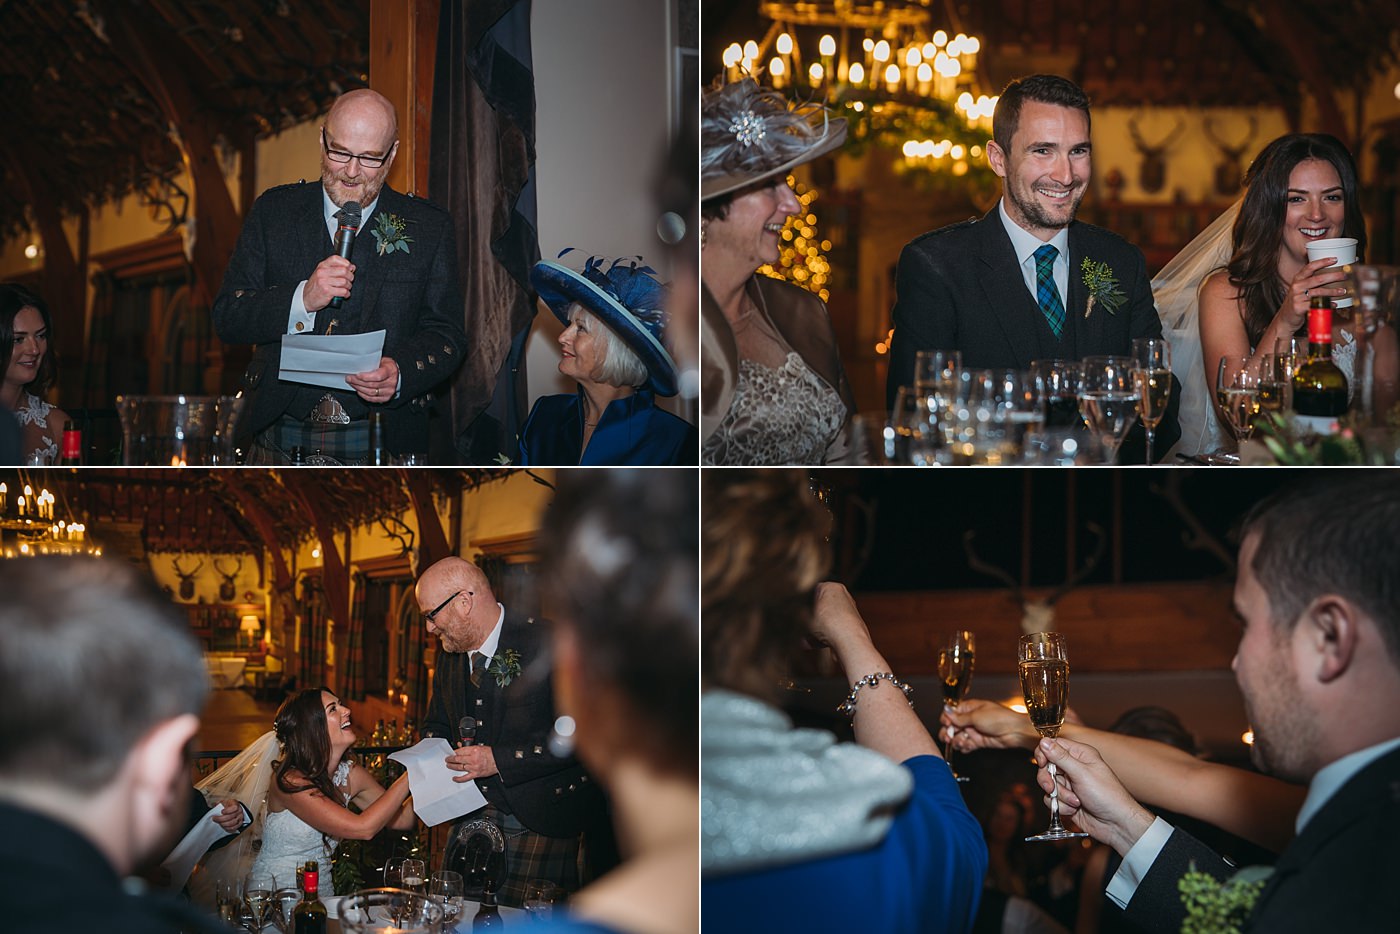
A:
{"x":1045,"y":292}
{"x":478,"y":666}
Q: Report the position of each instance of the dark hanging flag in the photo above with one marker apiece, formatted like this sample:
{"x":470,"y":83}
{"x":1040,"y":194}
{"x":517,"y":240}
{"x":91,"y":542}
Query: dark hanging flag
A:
{"x":483,"y":170}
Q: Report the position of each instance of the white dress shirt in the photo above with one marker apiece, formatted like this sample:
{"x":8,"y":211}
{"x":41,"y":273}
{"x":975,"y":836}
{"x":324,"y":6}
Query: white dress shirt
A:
{"x":1026,"y":243}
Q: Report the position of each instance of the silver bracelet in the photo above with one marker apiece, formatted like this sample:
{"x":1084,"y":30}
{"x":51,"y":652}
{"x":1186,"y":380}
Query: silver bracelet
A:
{"x":848,"y":706}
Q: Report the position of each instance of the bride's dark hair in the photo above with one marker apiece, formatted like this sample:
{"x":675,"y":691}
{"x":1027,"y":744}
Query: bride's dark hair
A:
{"x":1258,"y":234}
{"x":301,"y":728}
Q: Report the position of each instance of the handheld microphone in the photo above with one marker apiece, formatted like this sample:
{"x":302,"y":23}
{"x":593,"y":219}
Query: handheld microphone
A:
{"x":466,"y":727}
{"x":345,"y":236}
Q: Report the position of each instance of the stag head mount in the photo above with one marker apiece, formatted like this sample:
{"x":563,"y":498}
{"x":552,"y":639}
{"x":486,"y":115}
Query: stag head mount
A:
{"x":1228,"y":173}
{"x":395,"y":529}
{"x":1038,"y":613}
{"x":227,"y":591}
{"x":1152,"y":172}
{"x":186,"y":578}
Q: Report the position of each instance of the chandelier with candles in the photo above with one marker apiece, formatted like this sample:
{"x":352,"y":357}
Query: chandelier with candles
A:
{"x":33,"y":524}
{"x":897,"y":79}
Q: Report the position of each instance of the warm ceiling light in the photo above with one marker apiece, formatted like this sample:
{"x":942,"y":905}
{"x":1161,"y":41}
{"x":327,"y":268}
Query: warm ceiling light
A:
{"x":315,"y":552}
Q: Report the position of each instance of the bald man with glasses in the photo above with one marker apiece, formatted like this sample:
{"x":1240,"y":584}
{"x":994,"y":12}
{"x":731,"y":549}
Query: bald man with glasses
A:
{"x":493,"y":701}
{"x":286,"y":277}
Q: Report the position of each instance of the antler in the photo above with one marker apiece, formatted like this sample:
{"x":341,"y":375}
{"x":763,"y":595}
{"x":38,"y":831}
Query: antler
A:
{"x":183,"y":574}
{"x":1100,"y":547}
{"x":227,"y":575}
{"x":991,"y":570}
{"x":404,"y":538}
{"x":1234,"y":152}
{"x":1161,"y":147}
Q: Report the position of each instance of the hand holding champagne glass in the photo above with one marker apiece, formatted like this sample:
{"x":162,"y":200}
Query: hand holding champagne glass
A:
{"x":955,"y":669}
{"x":1152,"y":380}
{"x":1045,"y":683}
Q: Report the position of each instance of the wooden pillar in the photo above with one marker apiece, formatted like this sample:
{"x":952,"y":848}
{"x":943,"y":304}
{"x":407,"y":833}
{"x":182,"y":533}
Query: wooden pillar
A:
{"x":402,"y":54}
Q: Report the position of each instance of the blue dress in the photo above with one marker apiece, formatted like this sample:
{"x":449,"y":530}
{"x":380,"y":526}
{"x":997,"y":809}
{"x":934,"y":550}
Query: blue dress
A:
{"x":632,"y":432}
{"x":926,"y":875}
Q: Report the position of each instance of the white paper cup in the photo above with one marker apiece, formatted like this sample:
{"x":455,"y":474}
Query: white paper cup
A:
{"x":1343,"y":248}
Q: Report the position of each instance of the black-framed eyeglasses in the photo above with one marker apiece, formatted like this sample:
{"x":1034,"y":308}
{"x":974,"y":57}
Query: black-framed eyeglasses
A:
{"x":340,"y":157}
{"x":431,"y":616}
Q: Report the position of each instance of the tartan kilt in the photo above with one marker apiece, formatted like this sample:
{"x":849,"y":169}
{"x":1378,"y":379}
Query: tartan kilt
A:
{"x":346,"y":445}
{"x":531,"y":856}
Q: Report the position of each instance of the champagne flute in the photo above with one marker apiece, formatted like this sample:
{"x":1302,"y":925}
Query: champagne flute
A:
{"x":1237,"y":392}
{"x":1107,"y":399}
{"x":257,"y":895}
{"x":1276,"y":383}
{"x":228,"y":897}
{"x":1152,"y":380}
{"x":284,"y":905}
{"x":1045,"y":684}
{"x":955,"y":668}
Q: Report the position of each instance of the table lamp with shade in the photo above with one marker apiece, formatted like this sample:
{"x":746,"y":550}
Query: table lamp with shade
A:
{"x":253,"y":627}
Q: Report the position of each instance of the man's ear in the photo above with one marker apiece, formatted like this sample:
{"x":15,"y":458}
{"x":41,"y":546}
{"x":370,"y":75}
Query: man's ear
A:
{"x":1330,"y":631}
{"x":996,"y":158}
{"x":160,"y":778}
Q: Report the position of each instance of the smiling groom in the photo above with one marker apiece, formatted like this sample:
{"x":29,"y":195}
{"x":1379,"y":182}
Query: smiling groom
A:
{"x":1013,"y":286}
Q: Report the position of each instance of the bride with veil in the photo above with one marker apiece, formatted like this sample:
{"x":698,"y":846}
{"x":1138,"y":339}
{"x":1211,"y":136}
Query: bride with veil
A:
{"x":297,"y":781}
{"x":1244,"y":282}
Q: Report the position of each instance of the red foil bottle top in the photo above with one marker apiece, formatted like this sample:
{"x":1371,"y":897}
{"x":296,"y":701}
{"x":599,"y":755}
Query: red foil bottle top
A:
{"x":72,"y":443}
{"x":1319,"y":325}
{"x":310,"y":881}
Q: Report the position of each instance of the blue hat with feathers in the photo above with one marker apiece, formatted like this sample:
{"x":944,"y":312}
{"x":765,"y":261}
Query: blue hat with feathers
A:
{"x":625,"y":296}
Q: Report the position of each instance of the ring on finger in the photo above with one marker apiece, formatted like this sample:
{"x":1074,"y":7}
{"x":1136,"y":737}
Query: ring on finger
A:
{"x":1307,"y":292}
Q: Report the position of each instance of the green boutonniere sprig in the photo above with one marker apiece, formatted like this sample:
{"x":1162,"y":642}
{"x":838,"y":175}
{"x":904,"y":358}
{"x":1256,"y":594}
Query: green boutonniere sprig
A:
{"x":1215,"y":907}
{"x":505,"y":665}
{"x":389,"y":234}
{"x":1102,"y":286}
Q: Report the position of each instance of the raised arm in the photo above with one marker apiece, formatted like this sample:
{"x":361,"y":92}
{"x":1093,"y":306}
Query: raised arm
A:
{"x":365,"y":790}
{"x":883,"y":721}
{"x":1253,"y":806}
{"x":332,"y":819}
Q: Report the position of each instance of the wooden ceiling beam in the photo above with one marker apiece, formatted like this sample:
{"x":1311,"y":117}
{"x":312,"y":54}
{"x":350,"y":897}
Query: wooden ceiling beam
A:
{"x":147,"y":46}
{"x":420,"y":494}
{"x":1298,"y":40}
{"x":253,"y":510}
{"x":335,"y":567}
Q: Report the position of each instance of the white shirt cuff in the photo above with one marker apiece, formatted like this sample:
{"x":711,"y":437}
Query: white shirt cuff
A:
{"x":299,"y":320}
{"x":1138,"y":862}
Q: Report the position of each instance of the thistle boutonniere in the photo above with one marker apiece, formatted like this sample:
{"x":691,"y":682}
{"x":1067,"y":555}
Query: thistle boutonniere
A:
{"x":1102,"y":286}
{"x":1215,"y":907}
{"x":389,"y":234}
{"x":505,"y":665}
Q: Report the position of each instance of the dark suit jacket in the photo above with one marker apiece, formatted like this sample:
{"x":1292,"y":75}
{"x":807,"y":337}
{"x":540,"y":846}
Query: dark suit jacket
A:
{"x":549,"y":795}
{"x":960,"y":288}
{"x":1337,"y":875}
{"x":415,"y":297}
{"x":57,"y":881}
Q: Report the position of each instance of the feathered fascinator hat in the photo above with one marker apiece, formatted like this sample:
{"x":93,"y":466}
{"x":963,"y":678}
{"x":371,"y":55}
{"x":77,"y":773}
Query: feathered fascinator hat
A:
{"x":749,"y":133}
{"x":626,"y":296}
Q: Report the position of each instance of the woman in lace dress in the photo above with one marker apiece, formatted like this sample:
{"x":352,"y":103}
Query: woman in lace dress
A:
{"x":773,"y":390}
{"x":299,"y":783}
{"x":29,"y":370}
{"x":1301,"y":187}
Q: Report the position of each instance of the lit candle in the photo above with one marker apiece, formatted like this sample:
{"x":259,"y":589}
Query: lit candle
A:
{"x":4,"y":497}
{"x":20,"y":505}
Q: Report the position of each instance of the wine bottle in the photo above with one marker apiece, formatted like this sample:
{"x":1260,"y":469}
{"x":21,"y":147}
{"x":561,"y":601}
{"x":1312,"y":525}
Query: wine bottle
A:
{"x":1319,"y":388}
{"x":310,"y":916}
{"x":488,"y":916}
{"x":377,"y":457}
{"x":72,"y":445}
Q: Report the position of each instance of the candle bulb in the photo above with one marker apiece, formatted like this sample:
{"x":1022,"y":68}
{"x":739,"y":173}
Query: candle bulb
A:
{"x":4,"y":497}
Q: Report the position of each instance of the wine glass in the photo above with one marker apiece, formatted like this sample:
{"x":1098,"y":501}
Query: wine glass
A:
{"x":1152,"y":380}
{"x":393,"y":872}
{"x":1276,"y":382}
{"x":1045,"y":684}
{"x":1237,"y":392}
{"x":284,"y":906}
{"x":914,"y":420}
{"x":448,"y":886}
{"x":414,"y":875}
{"x":1059,"y":381}
{"x":1107,"y":399}
{"x":955,"y":668}
{"x":541,"y":896}
{"x":228,"y":898}
{"x":257,"y":895}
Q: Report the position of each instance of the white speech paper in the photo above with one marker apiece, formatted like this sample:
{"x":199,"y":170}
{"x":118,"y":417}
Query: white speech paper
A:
{"x":326,"y":359}
{"x":436,"y":797}
{"x":180,"y":863}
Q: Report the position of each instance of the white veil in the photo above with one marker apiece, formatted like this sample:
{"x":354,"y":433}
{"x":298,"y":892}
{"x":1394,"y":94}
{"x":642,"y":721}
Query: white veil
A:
{"x":1176,"y":290}
{"x":245,"y":777}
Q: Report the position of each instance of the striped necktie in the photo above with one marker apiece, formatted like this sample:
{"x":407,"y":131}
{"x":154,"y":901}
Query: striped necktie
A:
{"x":1045,"y":292}
{"x":478,"y":666}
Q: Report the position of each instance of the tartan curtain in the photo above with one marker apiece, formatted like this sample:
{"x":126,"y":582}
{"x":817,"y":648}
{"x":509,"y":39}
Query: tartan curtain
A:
{"x":416,"y":674}
{"x":312,"y":658}
{"x":353,"y":679}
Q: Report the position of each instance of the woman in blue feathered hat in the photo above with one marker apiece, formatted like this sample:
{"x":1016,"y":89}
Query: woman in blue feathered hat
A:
{"x":614,"y":319}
